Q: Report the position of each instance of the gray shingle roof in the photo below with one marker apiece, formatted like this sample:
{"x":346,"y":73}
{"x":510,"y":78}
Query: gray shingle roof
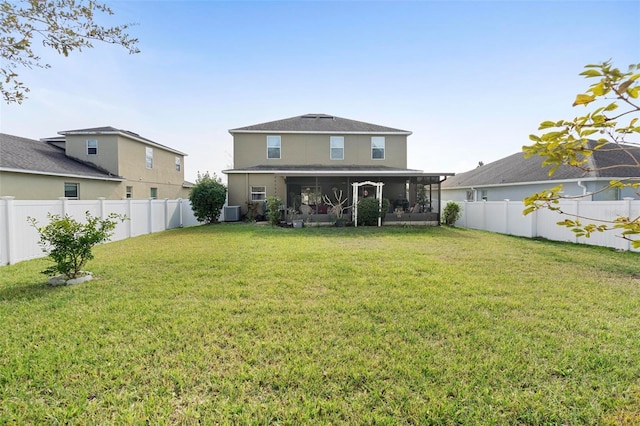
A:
{"x":517,"y":169}
{"x":324,"y":170}
{"x":319,"y":123}
{"x":28,"y":155}
{"x":321,"y":167}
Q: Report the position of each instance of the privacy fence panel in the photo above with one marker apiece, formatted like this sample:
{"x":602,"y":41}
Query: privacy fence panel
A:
{"x":123,"y":229}
{"x":517,"y":223}
{"x":506,"y":217}
{"x":19,"y":240}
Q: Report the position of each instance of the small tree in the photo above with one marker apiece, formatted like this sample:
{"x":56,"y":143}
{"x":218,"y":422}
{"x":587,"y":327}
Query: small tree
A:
{"x":207,"y":198}
{"x":452,"y":213}
{"x":567,"y":142}
{"x":274,"y":205}
{"x":369,"y":211}
{"x":69,"y":242}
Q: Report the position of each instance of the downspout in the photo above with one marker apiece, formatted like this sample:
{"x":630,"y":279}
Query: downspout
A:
{"x":584,"y":188}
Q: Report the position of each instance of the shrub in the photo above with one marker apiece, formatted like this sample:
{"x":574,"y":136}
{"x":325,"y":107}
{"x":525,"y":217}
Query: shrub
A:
{"x":273,"y":210}
{"x":69,"y":242}
{"x":451,"y":214}
{"x":369,"y":211}
{"x":207,"y":198}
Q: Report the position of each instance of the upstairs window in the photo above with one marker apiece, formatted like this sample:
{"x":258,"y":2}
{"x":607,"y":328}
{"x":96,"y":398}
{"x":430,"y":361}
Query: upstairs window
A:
{"x":149,"y":157}
{"x":377,"y":148}
{"x":71,"y":190}
{"x":178,"y":164}
{"x":273,"y":147}
{"x":92,"y":147}
{"x":337,"y":147}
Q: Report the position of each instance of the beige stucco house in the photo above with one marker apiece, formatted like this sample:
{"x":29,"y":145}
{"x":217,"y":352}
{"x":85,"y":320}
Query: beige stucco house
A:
{"x":302,"y":159}
{"x":90,"y":163}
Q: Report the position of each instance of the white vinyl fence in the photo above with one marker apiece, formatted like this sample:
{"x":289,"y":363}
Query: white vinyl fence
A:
{"x":19,"y":240}
{"x":506,"y":217}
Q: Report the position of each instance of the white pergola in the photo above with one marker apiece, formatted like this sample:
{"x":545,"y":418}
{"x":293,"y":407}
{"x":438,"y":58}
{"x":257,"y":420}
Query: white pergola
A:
{"x":357,"y":185}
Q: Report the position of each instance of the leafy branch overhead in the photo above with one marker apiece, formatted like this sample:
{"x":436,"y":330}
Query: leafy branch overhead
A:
{"x":612,"y":126}
{"x":62,"y":25}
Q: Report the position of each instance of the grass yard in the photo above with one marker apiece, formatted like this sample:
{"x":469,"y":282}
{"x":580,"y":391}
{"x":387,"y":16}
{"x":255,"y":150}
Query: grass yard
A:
{"x":245,"y":324}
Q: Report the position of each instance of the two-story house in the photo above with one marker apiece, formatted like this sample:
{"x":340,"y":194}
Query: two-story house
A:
{"x":90,"y":163}
{"x":303,"y":159}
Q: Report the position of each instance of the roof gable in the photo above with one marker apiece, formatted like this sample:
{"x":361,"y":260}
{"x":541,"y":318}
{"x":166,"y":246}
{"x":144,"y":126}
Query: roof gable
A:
{"x":108,"y":130}
{"x":31,"y":156}
{"x":319,"y":123}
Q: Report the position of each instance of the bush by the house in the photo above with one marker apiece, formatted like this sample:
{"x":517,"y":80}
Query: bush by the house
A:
{"x":452,"y":213}
{"x":369,"y":211}
{"x":273,"y":210}
{"x":207,"y":198}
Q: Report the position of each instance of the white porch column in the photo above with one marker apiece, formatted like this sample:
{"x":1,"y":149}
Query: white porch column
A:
{"x":379,"y":197}
{"x":355,"y":203}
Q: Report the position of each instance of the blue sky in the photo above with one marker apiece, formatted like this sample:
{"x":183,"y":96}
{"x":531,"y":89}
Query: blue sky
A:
{"x":470,"y":79}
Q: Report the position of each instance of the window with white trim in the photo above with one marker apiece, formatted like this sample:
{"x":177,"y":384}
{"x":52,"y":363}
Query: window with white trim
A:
{"x":258,"y":193}
{"x":336,"y":144}
{"x":149,"y":157}
{"x":129,"y":192}
{"x":92,"y":146}
{"x":608,"y":194}
{"x":273,"y":147}
{"x":71,"y":190}
{"x":178,"y":164}
{"x":377,"y":147}
{"x":154,"y":193}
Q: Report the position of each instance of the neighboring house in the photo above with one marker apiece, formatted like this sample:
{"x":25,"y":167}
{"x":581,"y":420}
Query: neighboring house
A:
{"x":90,"y":163}
{"x":302,"y":159}
{"x":516,"y":177}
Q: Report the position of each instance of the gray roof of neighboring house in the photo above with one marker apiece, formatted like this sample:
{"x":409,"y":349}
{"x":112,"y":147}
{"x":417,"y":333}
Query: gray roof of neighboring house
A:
{"x":319,"y":123}
{"x":319,"y":170}
{"x":30,"y":156}
{"x":108,"y":130}
{"x":517,"y":169}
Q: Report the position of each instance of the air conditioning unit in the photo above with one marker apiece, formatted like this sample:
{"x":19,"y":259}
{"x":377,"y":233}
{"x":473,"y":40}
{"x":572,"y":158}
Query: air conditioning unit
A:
{"x":232,"y":213}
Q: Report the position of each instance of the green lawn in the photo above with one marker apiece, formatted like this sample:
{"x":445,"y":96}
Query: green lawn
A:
{"x":245,"y":324}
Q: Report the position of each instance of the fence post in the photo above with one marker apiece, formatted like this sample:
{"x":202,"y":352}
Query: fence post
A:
{"x":484,"y":214}
{"x":9,"y":218}
{"x":181,"y":224}
{"x":506,"y":216}
{"x":150,"y":216}
{"x":577,"y":217}
{"x":129,"y":224}
{"x":101,"y":199}
{"x":166,"y":214}
{"x":628,"y":200}
{"x":63,"y":205}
